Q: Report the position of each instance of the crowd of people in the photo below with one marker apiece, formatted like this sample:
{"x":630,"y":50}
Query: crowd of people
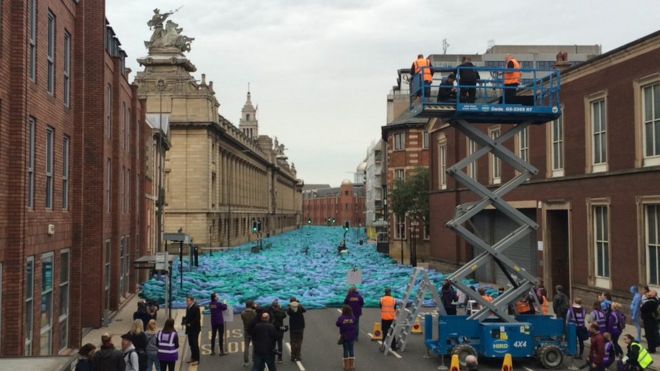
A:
{"x":145,"y":347}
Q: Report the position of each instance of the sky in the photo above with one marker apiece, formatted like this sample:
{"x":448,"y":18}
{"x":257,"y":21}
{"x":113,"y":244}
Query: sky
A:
{"x":320,"y":70}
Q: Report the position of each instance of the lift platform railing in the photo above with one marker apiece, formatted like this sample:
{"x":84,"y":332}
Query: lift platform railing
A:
{"x":535,"y":99}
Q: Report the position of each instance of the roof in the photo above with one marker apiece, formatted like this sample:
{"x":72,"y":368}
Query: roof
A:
{"x":611,"y":52}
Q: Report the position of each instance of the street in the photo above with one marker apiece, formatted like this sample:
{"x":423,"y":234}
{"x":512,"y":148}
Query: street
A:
{"x":320,"y":351}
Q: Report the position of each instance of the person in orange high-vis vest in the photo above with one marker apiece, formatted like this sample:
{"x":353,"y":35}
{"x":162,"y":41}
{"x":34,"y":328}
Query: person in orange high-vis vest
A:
{"x":422,"y":69}
{"x":511,"y":79}
{"x":387,"y":314}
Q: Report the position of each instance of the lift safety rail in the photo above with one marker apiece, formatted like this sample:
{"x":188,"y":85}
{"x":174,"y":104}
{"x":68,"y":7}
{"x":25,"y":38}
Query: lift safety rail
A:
{"x":488,"y":99}
{"x":493,"y":330}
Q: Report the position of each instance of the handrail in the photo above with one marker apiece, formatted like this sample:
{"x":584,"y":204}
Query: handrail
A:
{"x":543,"y":86}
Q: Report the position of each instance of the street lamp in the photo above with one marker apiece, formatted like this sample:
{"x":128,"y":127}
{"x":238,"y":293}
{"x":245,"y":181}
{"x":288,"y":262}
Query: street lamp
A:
{"x":160,"y":85}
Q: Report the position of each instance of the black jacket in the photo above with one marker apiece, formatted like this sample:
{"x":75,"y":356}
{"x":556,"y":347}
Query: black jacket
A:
{"x":109,"y":359}
{"x":263,"y":337}
{"x":84,"y":364}
{"x":648,"y":308}
{"x":467,"y":76}
{"x":140,"y":342}
{"x":296,"y":319}
{"x":193,"y":320}
{"x":560,"y":304}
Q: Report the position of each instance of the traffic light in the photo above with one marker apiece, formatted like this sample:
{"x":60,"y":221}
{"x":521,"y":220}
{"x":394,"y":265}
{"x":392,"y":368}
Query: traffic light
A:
{"x":346,"y":226}
{"x":255,"y":226}
{"x":333,"y":221}
{"x":309,"y":221}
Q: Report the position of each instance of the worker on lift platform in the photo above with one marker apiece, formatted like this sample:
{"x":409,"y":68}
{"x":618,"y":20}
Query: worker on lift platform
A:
{"x":422,"y":73}
{"x":511,"y":80}
{"x":468,"y":77}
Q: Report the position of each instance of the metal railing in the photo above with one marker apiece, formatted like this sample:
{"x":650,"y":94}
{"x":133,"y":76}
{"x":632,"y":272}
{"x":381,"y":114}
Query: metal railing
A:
{"x":540,"y":90}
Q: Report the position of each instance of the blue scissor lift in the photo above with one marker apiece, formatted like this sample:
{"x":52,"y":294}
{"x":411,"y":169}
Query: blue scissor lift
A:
{"x":493,"y":332}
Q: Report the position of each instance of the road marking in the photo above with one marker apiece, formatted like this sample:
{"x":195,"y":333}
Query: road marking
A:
{"x":397,"y":355}
{"x":298,"y":363}
{"x":528,"y":369}
{"x":338,"y":310}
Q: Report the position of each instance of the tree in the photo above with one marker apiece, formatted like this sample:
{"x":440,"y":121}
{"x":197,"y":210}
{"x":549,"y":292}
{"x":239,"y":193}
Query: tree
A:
{"x":411,"y":197}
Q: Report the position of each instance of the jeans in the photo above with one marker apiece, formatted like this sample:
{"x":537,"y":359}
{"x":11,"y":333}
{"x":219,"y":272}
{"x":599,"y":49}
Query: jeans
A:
{"x":296,"y":338}
{"x":152,"y":361}
{"x":651,"y":333}
{"x":193,"y":340}
{"x":348,"y":349}
{"x":638,"y":325}
{"x":167,"y":366}
{"x":247,"y":339}
{"x":220,"y":330}
{"x":278,"y":345}
{"x":261,"y":361}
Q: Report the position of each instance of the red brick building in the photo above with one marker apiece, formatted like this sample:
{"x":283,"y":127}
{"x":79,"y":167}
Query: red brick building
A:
{"x":71,"y":199}
{"x":345,"y":203}
{"x":596,"y":197}
{"x":407,"y":147}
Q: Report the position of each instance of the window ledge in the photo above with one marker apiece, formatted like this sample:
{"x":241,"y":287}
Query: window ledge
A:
{"x":603,"y":282}
{"x":651,"y":161}
{"x":557,"y":173}
{"x":599,"y":168}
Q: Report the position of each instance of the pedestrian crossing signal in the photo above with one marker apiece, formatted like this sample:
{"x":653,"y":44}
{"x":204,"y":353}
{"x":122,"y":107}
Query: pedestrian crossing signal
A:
{"x":309,"y":221}
{"x":346,"y":226}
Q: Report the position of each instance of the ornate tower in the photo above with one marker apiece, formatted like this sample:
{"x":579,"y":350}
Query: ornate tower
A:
{"x":248,"y":123}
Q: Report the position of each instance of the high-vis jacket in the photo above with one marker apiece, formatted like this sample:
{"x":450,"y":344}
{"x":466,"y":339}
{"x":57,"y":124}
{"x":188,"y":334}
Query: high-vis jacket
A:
{"x":513,"y":78}
{"x":423,"y":65}
{"x":387,"y":311}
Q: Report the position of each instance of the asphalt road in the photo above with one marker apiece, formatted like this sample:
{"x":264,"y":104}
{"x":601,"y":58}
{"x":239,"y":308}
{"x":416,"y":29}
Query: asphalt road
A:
{"x":320,"y":351}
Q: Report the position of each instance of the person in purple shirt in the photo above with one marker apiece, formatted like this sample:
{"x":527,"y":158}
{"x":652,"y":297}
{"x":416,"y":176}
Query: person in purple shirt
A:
{"x":347,"y":335}
{"x":217,"y":323}
{"x":356,"y":302}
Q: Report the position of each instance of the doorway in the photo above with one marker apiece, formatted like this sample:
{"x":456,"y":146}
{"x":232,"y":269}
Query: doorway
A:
{"x":557,"y":254}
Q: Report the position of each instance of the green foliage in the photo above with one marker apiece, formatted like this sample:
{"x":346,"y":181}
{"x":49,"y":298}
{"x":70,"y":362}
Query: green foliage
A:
{"x":411,"y":196}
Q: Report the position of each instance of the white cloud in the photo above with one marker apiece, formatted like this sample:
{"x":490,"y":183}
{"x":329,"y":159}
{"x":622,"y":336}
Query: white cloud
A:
{"x":320,"y":69}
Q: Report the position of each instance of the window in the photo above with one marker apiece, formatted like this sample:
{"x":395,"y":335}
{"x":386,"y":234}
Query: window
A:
{"x":122,"y":126}
{"x":122,"y":184}
{"x":651,"y":115}
{"x":601,"y":241}
{"x":108,"y":111}
{"x":523,"y":144}
{"x":427,"y":229}
{"x":598,"y":136}
{"x":652,"y":242}
{"x":51,"y":53}
{"x":129,"y":126}
{"x":399,"y":228}
{"x":64,"y":299}
{"x":67,"y":69}
{"x":107,"y":253}
{"x":122,"y":266}
{"x":50,"y":152}
{"x":32,"y":40}
{"x":46,"y":307}
{"x":495,"y":163}
{"x":399,"y":174}
{"x":128,"y":189}
{"x":108,"y":186}
{"x":442,"y":165}
{"x":29,"y":304}
{"x":32,"y":127}
{"x":399,"y":141}
{"x":557,"y":148}
{"x":425,"y":139}
{"x":66,"y":148}
{"x":472,"y":166}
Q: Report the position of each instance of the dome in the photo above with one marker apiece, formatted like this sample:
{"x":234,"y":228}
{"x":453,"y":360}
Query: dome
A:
{"x":362,"y":167}
{"x":346,"y":182}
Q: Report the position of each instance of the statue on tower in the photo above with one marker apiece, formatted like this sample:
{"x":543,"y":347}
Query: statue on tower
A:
{"x":167,"y":36}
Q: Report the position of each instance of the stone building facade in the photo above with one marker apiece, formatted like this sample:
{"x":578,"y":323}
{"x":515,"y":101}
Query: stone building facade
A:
{"x":595,"y":197}
{"x":219,"y":178}
{"x":71,"y":174}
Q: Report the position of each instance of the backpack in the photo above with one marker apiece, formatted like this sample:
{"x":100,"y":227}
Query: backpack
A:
{"x":621,"y":319}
